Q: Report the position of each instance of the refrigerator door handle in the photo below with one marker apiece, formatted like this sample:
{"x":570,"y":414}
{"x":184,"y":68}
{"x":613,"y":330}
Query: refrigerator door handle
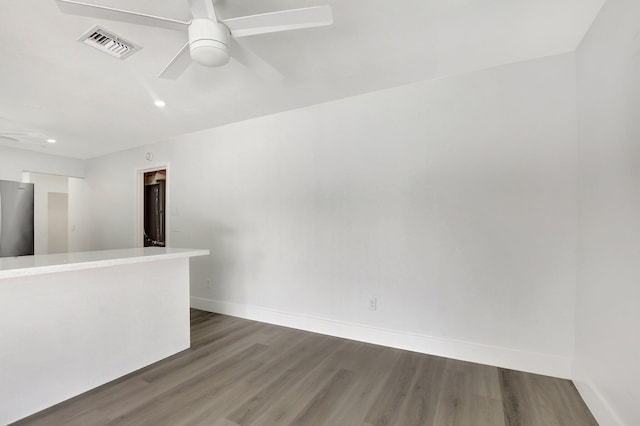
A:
{"x":0,"y":216}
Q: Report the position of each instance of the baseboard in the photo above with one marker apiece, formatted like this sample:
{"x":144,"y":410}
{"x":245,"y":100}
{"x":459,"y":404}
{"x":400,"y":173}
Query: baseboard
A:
{"x":600,"y":408}
{"x":549,"y":365}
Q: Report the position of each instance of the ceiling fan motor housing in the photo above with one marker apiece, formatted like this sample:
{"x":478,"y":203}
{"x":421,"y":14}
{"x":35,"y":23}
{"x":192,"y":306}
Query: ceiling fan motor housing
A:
{"x":209,"y":42}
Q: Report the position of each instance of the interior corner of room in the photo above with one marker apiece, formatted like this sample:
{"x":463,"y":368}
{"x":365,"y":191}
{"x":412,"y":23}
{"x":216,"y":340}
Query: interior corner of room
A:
{"x":480,"y":206}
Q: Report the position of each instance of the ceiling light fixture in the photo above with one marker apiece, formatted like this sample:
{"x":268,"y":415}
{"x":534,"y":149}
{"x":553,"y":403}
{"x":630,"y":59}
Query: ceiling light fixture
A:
{"x":51,"y":140}
{"x":160,"y":103}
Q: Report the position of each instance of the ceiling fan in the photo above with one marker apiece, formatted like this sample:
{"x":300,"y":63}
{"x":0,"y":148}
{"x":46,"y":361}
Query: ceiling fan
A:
{"x":18,"y":137}
{"x":212,"y":40}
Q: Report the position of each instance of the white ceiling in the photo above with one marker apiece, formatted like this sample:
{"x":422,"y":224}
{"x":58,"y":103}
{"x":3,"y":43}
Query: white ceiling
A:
{"x":94,"y":104}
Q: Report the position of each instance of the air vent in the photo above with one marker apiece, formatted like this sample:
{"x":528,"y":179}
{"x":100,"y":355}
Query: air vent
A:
{"x":108,"y":42}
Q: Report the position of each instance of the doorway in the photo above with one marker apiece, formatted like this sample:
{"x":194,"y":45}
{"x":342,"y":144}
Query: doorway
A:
{"x":154,"y":204}
{"x":58,"y":222}
{"x":51,"y":212}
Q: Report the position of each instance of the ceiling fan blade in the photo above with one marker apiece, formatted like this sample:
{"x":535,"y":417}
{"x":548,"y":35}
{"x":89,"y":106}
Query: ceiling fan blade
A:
{"x":249,"y":59}
{"x":13,"y":133}
{"x":102,"y":12}
{"x":178,"y":64}
{"x":202,"y":9}
{"x":285,"y":20}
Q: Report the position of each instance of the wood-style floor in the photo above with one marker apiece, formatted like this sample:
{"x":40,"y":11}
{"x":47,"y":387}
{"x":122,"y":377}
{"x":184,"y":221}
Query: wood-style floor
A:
{"x":241,"y":372}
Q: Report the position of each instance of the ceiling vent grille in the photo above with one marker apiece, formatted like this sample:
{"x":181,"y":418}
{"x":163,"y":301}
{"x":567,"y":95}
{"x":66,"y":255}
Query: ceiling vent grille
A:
{"x":108,"y":42}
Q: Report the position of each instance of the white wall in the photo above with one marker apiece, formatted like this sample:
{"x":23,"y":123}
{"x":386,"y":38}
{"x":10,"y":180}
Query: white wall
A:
{"x":13,"y":162}
{"x":81,"y":225}
{"x":451,"y":201}
{"x":607,"y":367}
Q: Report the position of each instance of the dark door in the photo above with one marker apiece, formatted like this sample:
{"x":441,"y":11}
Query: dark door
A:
{"x":154,"y":214}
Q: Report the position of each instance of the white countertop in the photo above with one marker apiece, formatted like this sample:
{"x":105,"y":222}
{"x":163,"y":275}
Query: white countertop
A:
{"x":47,"y":263}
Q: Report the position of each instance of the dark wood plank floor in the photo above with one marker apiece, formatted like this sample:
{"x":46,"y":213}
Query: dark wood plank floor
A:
{"x":241,"y":372}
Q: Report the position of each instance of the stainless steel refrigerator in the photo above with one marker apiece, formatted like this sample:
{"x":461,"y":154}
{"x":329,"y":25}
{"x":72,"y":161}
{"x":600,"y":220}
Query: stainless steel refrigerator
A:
{"x":16,"y":218}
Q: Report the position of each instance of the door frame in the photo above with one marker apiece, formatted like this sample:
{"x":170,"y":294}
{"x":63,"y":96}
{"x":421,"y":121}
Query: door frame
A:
{"x":139,"y":178}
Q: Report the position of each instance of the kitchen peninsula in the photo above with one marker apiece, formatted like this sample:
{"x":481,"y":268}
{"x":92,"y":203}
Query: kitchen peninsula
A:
{"x":71,"y":322}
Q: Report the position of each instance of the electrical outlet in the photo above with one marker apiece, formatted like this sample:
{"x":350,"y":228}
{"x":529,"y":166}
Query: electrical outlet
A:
{"x":209,"y":283}
{"x":373,"y":303}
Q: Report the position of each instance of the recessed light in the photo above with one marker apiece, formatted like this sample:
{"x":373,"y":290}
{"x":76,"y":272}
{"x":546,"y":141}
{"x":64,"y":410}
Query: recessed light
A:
{"x":51,"y":140}
{"x":160,"y":103}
